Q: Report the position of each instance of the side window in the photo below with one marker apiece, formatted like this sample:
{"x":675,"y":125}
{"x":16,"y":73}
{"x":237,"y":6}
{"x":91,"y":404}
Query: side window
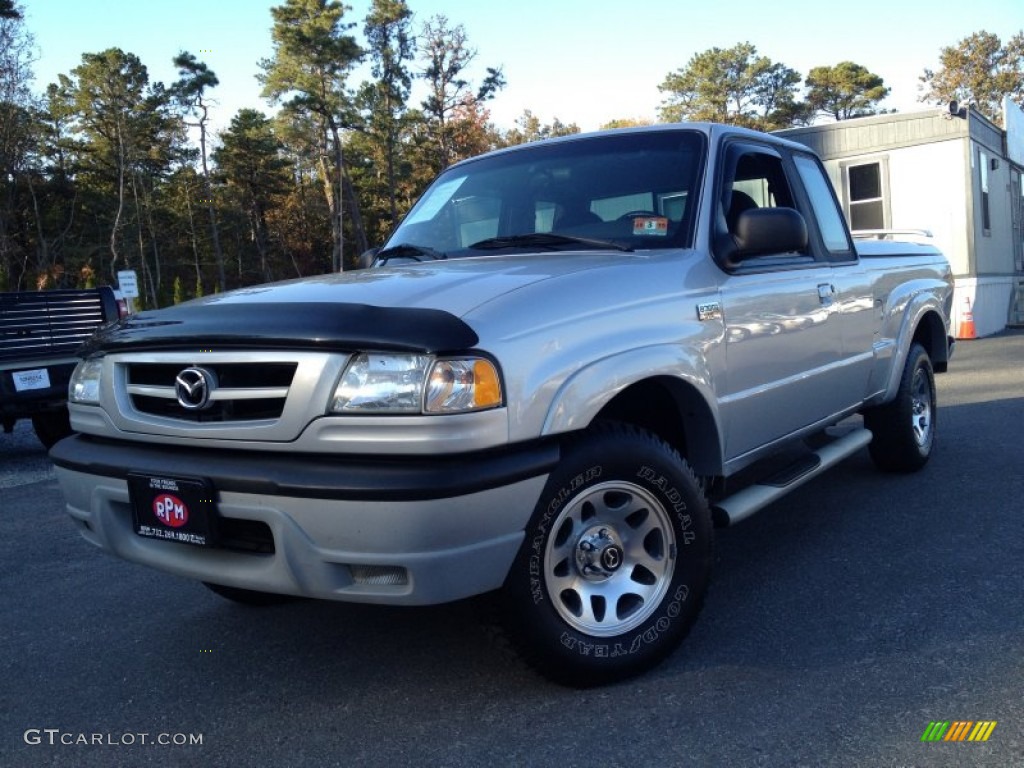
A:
{"x":758,"y":182}
{"x":986,"y":213}
{"x":830,"y":220}
{"x":755,"y":179}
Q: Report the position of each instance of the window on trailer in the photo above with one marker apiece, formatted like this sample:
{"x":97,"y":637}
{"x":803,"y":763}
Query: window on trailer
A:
{"x":867,"y":203}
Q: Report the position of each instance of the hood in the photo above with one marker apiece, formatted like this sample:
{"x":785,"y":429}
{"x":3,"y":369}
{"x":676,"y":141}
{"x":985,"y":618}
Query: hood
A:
{"x":455,"y":286}
{"x":415,"y":308}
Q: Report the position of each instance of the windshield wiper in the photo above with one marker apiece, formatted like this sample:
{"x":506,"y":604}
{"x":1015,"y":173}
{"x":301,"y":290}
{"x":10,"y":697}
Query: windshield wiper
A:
{"x":409,"y":251}
{"x":549,"y":240}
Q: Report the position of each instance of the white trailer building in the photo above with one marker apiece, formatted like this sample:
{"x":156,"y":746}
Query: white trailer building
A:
{"x":952,"y":173}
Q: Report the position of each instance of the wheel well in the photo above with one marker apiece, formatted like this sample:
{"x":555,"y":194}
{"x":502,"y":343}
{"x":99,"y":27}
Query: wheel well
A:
{"x":931,"y":334}
{"x":676,"y":413}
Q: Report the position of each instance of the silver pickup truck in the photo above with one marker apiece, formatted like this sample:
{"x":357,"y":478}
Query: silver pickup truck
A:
{"x":570,"y":362}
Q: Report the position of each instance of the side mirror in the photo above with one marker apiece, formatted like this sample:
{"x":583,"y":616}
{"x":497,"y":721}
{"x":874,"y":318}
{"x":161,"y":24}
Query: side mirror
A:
{"x":769,"y":230}
{"x":366,"y":258}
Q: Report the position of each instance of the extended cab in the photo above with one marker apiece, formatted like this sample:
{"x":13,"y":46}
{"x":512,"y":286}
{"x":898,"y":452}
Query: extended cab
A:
{"x":569,"y":363}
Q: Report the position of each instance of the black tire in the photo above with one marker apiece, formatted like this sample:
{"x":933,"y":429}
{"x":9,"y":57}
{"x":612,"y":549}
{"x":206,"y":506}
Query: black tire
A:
{"x":249,"y":596}
{"x":615,"y":563}
{"x":903,"y":431}
{"x":51,"y":426}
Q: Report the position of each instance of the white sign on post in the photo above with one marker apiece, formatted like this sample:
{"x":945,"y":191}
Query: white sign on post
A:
{"x":128,"y":282}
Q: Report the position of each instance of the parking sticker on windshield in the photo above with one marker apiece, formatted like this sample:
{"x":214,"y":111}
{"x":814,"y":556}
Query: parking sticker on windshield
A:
{"x":648,"y":226}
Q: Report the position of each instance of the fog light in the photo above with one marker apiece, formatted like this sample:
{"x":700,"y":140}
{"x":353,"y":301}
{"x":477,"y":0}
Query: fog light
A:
{"x":379,"y":575}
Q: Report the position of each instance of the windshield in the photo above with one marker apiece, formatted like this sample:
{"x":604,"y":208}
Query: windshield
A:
{"x":628,"y":191}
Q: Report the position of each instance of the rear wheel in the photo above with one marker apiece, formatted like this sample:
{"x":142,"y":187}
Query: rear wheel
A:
{"x":615,"y":563}
{"x":903,"y":431}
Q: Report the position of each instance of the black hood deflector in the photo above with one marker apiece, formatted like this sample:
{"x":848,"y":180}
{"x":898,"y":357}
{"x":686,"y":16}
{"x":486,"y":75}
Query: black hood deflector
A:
{"x":288,"y":325}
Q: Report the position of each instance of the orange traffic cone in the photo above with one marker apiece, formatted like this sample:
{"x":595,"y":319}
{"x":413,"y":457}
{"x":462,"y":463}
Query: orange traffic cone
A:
{"x":966,"y":330}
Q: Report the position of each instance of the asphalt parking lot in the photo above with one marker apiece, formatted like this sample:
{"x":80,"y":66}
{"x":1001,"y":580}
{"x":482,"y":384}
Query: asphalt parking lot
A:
{"x":841,"y":622}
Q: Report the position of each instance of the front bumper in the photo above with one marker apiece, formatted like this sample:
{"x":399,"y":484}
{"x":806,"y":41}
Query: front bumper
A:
{"x":408,"y":530}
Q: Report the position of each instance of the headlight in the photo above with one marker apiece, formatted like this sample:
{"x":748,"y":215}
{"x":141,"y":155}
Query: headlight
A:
{"x":397,"y":383}
{"x":382,"y":384}
{"x":84,"y":386}
{"x":467,"y":384}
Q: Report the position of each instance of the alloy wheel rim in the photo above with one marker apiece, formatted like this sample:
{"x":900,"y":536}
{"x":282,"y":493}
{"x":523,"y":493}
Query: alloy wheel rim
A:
{"x":610,"y":559}
{"x":921,"y":409}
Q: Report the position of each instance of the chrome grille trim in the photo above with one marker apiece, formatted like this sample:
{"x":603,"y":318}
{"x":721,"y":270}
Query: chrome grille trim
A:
{"x":139,"y":396}
{"x":245,"y":391}
{"x":221,"y":393}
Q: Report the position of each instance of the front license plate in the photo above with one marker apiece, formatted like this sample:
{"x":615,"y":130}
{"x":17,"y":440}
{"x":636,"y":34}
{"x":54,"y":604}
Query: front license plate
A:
{"x":26,"y":380}
{"x":173,"y":508}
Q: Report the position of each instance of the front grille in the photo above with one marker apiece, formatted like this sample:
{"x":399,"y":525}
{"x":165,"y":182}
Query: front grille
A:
{"x":244,"y":391}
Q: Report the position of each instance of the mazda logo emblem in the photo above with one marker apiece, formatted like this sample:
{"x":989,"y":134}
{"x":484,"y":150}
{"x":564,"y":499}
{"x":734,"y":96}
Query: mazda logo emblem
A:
{"x":611,"y":558}
{"x":193,"y":388}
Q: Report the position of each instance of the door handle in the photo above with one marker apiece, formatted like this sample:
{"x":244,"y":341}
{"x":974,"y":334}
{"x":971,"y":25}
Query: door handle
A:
{"x":826,"y":293}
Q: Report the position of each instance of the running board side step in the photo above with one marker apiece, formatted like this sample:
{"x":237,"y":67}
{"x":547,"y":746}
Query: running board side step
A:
{"x":753,"y":498}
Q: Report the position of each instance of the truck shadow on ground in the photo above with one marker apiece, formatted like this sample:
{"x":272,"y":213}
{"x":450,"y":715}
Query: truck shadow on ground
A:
{"x":885,"y":588}
{"x":854,"y":566}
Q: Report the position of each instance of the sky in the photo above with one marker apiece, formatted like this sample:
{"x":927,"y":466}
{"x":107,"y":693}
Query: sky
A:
{"x":584,"y":62}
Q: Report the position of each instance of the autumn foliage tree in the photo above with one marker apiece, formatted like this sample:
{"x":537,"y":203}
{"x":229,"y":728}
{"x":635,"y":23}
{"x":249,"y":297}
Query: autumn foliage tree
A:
{"x":453,"y":108}
{"x":107,"y":169}
{"x":979,"y":70}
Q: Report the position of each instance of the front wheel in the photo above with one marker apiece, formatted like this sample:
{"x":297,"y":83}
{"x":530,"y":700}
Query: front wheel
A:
{"x":903,"y":431}
{"x":615,"y":563}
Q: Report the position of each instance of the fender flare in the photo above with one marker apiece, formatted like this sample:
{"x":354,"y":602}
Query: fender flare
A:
{"x":583,"y":395}
{"x":920,"y":305}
